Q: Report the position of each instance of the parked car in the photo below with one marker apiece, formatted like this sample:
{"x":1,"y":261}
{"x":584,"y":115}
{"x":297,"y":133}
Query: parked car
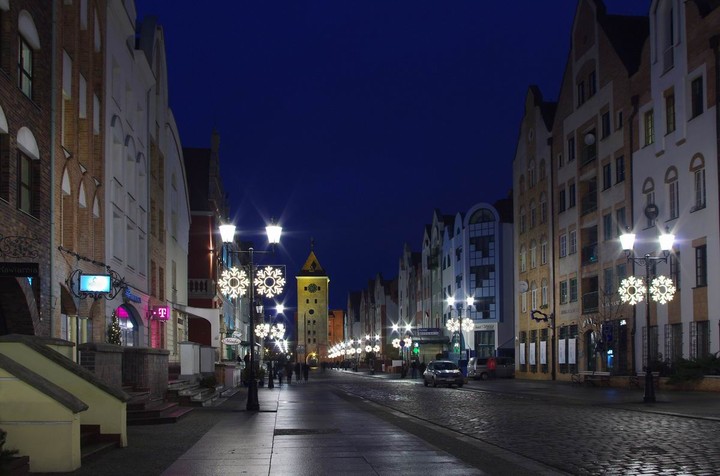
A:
{"x":443,"y":372}
{"x":478,"y":367}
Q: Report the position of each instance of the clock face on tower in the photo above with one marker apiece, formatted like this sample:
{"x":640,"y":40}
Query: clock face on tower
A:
{"x":312,"y":288}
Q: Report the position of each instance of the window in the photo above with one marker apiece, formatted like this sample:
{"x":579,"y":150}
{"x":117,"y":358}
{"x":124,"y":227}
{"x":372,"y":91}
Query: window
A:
{"x":699,"y":339}
{"x":697,"y":167}
{"x":696,"y":100}
{"x":701,"y":266}
{"x":675,"y":269}
{"x":543,"y":171}
{"x":605,"y":121}
{"x":571,"y":195}
{"x":620,"y":273}
{"x":571,"y":149}
{"x":673,"y":194}
{"x":532,"y":175}
{"x":573,"y":290}
{"x":543,"y":208}
{"x":573,"y":242}
{"x":25,"y":67}
{"x":533,"y":214}
{"x":581,"y":93}
{"x":560,"y":161}
{"x":563,"y":292}
{"x":592,"y":84}
{"x":533,"y":254}
{"x":543,"y":251}
{"x":590,"y":149}
{"x":28,"y":177}
{"x":523,"y":301}
{"x":649,"y":127}
{"x":523,"y":222}
{"x":669,"y":112}
{"x":523,"y":260}
{"x":620,"y":221}
{"x":607,"y":176}
{"x":649,"y":201}
{"x":534,"y":296}
{"x":608,"y":282}
{"x":563,"y":245}
{"x":619,"y":120}
{"x":607,"y":227}
{"x":620,"y":169}
{"x":544,"y":293}
{"x":561,"y":200}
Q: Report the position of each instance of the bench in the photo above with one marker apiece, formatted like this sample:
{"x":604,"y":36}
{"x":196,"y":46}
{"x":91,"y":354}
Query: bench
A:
{"x":638,"y":380}
{"x":591,"y":377}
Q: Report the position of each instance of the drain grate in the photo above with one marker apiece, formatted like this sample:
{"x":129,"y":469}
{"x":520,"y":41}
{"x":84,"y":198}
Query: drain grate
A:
{"x":304,"y":431}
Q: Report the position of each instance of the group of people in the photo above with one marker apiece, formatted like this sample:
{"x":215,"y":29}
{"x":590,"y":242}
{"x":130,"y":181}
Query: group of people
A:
{"x":300,"y":371}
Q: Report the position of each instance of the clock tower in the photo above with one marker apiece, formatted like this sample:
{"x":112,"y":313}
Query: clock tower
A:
{"x":311,"y":320}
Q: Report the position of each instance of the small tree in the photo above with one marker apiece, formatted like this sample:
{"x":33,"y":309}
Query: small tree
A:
{"x":113,"y":335}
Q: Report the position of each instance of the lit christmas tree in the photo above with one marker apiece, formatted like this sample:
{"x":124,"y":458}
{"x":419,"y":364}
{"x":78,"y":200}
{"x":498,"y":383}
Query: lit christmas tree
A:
{"x":114,"y":330}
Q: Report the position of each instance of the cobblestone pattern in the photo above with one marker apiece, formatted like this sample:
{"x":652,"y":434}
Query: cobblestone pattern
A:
{"x":579,"y":438}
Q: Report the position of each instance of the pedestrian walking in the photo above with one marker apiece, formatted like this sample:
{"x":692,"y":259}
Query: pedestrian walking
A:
{"x":305,"y":372}
{"x":298,"y":371}
{"x":289,"y":372}
{"x":280,"y":376}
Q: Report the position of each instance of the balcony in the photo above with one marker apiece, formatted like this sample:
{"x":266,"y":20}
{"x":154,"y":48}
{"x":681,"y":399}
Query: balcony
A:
{"x":201,"y":288}
{"x":589,"y":254}
{"x":590,"y":302}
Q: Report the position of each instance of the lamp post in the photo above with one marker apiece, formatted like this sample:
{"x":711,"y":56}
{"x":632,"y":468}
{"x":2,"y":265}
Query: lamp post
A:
{"x":276,"y":333}
{"x":661,"y":289}
{"x":268,"y":282}
{"x":461,"y":324}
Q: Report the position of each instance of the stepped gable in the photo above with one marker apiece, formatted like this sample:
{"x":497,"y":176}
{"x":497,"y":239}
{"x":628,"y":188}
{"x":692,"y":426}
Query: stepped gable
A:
{"x":60,"y":395}
{"x":38,"y":345}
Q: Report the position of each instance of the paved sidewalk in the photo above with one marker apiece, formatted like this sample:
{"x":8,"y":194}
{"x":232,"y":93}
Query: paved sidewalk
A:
{"x":304,"y":429}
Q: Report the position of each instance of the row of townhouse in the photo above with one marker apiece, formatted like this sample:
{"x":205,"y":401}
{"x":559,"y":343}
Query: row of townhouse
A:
{"x":629,"y":145}
{"x":93,"y":181}
{"x":466,"y":255}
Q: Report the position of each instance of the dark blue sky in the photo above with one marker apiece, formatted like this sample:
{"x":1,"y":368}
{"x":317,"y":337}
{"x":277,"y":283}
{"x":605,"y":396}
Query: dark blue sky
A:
{"x":350,"y":121}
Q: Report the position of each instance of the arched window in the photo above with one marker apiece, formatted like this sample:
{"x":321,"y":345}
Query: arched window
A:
{"x":523,"y":222}
{"x":28,"y":173}
{"x":533,"y":296}
{"x":533,"y":214}
{"x":544,"y":293}
{"x":543,"y":250}
{"x":543,"y":171}
{"x":28,"y":43}
{"x":533,"y":254}
{"x":532,"y":174}
{"x":543,"y":208}
{"x":523,"y":259}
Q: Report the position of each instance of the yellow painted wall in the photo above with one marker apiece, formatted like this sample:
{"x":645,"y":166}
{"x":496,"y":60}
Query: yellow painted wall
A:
{"x":104,"y":409}
{"x":38,"y":426}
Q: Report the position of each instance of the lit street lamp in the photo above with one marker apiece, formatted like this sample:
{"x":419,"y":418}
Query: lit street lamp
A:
{"x":460,"y":324}
{"x":267,"y":281}
{"x":633,"y":290}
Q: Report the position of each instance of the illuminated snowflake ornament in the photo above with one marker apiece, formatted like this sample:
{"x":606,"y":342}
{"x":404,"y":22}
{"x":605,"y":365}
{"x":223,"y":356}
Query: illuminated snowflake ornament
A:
{"x":376,"y":348}
{"x":277,"y":331}
{"x":632,"y":290}
{"x":269,"y":281}
{"x":262,"y":330}
{"x":396,"y":343}
{"x":468,"y":325}
{"x":233,"y":282}
{"x":453,"y":325}
{"x":662,"y":289}
{"x":368,"y":348}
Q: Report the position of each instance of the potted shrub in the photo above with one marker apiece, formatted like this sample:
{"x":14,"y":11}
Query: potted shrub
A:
{"x":10,"y":463}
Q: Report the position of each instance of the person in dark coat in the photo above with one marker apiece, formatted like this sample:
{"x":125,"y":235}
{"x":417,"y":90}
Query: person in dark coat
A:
{"x":298,"y":370}
{"x":289,"y":372}
{"x":305,"y":371}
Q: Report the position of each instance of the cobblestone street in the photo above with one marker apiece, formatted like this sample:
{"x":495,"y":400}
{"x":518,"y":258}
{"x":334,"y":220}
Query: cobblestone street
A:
{"x":565,"y":433}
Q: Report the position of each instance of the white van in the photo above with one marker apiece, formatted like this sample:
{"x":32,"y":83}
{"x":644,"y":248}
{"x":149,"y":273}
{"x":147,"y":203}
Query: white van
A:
{"x":478,"y":368}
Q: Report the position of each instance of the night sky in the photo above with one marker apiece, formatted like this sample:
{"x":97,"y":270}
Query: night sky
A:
{"x":349,"y":122}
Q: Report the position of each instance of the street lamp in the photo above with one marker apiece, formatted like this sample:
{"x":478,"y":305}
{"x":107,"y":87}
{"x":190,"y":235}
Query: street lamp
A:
{"x":661,"y":289}
{"x":460,"y":324}
{"x":276,"y":333}
{"x":267,"y":281}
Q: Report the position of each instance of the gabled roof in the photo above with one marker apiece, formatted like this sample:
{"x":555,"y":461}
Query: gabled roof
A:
{"x":627,"y":35}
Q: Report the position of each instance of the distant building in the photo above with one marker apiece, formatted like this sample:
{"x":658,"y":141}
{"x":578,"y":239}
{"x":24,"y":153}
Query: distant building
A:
{"x":311,"y":320}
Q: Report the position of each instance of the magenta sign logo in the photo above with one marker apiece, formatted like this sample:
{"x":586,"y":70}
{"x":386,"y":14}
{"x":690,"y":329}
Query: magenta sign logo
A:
{"x":161,"y":313}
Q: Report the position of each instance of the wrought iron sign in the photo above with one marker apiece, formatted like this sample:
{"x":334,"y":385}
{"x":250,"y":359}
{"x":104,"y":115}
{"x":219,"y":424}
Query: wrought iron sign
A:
{"x":19,"y":247}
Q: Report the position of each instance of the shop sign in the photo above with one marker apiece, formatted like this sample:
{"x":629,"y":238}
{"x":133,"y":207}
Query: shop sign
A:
{"x":160,"y":313}
{"x":18,"y":270}
{"x":231,"y":341}
{"x":428,"y":331}
{"x":131,"y":297}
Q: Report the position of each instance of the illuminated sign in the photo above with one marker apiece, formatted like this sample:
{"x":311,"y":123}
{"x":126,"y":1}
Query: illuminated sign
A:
{"x":131,"y":297}
{"x":231,"y":341}
{"x":160,"y":313}
{"x":95,"y":283}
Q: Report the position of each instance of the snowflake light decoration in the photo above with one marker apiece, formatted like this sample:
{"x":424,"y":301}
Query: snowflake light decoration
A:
{"x":632,"y":290}
{"x":396,"y":343}
{"x":453,"y":325}
{"x":262,"y":330}
{"x":662,"y":289}
{"x":233,"y":282}
{"x":468,"y":325}
{"x":277,"y":331}
{"x":269,"y":281}
{"x":376,"y":348}
{"x":368,"y":348}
